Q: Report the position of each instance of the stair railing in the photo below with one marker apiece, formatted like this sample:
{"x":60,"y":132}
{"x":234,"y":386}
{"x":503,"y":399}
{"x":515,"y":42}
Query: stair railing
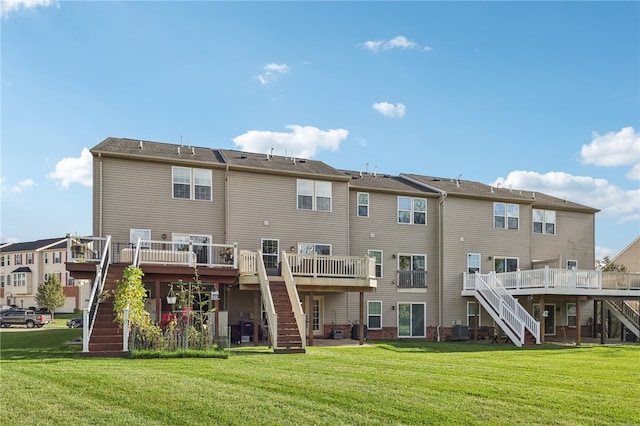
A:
{"x":527,"y":319}
{"x":500,"y":311}
{"x":267,"y":300}
{"x":294,"y":297}
{"x":89,"y":315}
{"x":630,"y":317}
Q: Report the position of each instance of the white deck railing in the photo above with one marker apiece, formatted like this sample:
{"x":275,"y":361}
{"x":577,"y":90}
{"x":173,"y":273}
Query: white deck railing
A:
{"x":191,"y":254}
{"x":89,"y":314}
{"x":267,"y":300}
{"x":494,"y":304}
{"x":85,"y":249}
{"x":316,"y":265}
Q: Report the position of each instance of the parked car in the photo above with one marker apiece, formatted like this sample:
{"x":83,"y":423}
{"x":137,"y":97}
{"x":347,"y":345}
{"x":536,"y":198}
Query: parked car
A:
{"x":75,"y":323}
{"x":25,"y":317}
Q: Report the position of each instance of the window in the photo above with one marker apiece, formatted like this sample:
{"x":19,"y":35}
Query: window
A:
{"x":142,"y":234}
{"x":8,"y":260}
{"x":363,"y":204}
{"x":1,"y":260}
{"x":20,"y":279}
{"x":412,"y":271}
{"x":18,"y":259}
{"x":374,"y":315}
{"x":57,"y":257}
{"x":46,"y":257}
{"x":505,"y":264}
{"x":506,"y":216}
{"x":199,"y":243}
{"x":412,"y":210}
{"x":8,"y":280}
{"x":314,"y":195}
{"x":544,"y":222}
{"x":471,"y":314}
{"x":411,"y":319}
{"x":1,"y":281}
{"x":473,"y":263}
{"x":377,"y":255}
{"x":571,"y":315}
{"x":202,"y":183}
{"x":572,"y":264}
{"x":310,"y":248}
{"x":270,"y":254}
{"x":29,"y":258}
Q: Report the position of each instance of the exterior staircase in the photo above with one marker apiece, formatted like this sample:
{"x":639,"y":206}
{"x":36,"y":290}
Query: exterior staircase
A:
{"x":106,"y":335}
{"x":626,"y":314}
{"x":289,"y":340}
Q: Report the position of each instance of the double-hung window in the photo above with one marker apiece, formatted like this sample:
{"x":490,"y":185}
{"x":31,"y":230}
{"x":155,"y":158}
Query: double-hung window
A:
{"x":472,"y":307}
{"x":363,"y":204}
{"x":314,"y":195}
{"x":571,"y":315}
{"x":544,"y":221}
{"x":506,"y":216}
{"x":18,"y":259}
{"x":412,"y":210}
{"x":20,"y":279}
{"x":29,"y":258}
{"x":505,"y":264}
{"x":374,"y":315}
{"x":191,"y":184}
{"x":57,"y":257}
{"x":377,"y":255}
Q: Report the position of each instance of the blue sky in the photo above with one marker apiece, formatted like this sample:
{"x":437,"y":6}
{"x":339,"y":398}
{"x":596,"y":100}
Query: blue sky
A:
{"x":542,"y":96}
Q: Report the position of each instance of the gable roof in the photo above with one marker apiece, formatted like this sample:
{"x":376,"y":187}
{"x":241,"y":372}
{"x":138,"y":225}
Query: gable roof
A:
{"x":385,"y":183}
{"x":49,"y":243}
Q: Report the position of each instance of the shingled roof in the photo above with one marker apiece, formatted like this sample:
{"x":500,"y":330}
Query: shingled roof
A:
{"x":385,"y":183}
{"x":55,"y":243}
{"x":155,"y":150}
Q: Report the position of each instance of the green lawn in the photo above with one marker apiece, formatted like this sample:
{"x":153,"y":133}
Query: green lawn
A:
{"x":44,"y":382}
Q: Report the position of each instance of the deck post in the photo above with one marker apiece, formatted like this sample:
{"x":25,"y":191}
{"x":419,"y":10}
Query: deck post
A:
{"x":602,"y":330}
{"x":158,"y":302}
{"x":361,"y":325}
{"x":542,"y":317}
{"x":310,"y":316}
{"x":256,"y":316}
{"x":216,"y":315}
{"x":578,"y":326}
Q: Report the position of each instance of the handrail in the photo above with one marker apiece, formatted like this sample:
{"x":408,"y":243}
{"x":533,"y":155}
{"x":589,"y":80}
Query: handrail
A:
{"x":317,"y":265}
{"x":515,"y":326}
{"x":625,"y":309}
{"x":96,"y":292}
{"x":527,"y":319}
{"x":294,"y":297}
{"x":267,"y":300}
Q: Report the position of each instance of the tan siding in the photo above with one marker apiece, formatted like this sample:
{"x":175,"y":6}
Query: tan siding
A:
{"x":630,"y":257}
{"x":139,"y":195}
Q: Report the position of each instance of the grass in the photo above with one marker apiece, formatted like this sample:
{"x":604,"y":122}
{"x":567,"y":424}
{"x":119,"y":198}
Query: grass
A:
{"x":388,"y":383}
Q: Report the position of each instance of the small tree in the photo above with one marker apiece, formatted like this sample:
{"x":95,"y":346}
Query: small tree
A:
{"x":606,"y":265}
{"x":130,"y":294}
{"x":50,"y":294}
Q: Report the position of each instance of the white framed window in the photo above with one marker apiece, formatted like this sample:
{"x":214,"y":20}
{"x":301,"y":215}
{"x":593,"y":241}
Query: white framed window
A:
{"x":20,"y":279}
{"x":506,"y":216}
{"x":182,"y":178}
{"x":412,"y":270}
{"x":377,"y":255}
{"x":314,"y":195}
{"x":572,"y":264}
{"x":571,"y":315}
{"x":46,"y":257}
{"x":310,"y":248}
{"x":471,"y":314}
{"x":200,"y":243}
{"x":505,"y":264}
{"x":17,"y":259}
{"x":412,"y":210}
{"x":142,"y":234}
{"x":411,"y":319}
{"x":1,"y":281}
{"x":363,"y":204}
{"x":8,"y":260}
{"x":29,"y":258}
{"x":374,"y":315}
{"x":8,"y":280}
{"x":544,"y":222}
{"x":57,"y":257}
{"x":473,"y":263}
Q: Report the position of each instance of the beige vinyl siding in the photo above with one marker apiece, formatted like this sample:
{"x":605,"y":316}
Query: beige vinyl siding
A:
{"x":630,"y":257}
{"x":393,"y":238}
{"x":265,"y":206}
{"x":574,"y":240}
{"x":137,"y":194}
{"x":468,"y":228}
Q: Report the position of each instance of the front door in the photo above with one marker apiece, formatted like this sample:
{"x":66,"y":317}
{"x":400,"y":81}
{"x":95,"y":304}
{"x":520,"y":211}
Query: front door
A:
{"x":549,"y":317}
{"x":316,"y":314}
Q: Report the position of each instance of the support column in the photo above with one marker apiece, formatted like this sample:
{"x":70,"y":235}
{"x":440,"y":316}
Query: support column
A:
{"x":158,"y":302}
{"x":216,"y":314}
{"x":361,"y":331}
{"x":256,"y":316}
{"x":310,"y":316}
{"x":477,"y":317}
{"x":602,"y":330}
{"x":542,"y":318}
{"x":578,"y":325}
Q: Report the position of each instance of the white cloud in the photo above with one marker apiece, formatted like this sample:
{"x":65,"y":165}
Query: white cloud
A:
{"x":301,"y":141}
{"x":398,"y":42}
{"x":598,"y":193}
{"x":271,"y":72}
{"x":9,"y":6}
{"x":74,"y":170}
{"x":390,"y":110}
{"x":19,"y":187}
{"x":615,"y":149}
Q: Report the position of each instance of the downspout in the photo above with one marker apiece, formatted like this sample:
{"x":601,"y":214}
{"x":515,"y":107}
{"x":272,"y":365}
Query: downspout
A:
{"x":348,"y":242}
{"x":226,"y":203}
{"x":440,"y":260}
{"x":100,"y":196}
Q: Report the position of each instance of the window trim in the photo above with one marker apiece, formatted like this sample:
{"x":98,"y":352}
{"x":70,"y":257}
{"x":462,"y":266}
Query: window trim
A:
{"x":505,"y":259}
{"x":192,"y":172}
{"x":310,"y":248}
{"x":144,"y":234}
{"x":507,"y":215}
{"x":359,"y":204}
{"x":424,"y":319}
{"x":544,"y":223}
{"x":479,"y":256}
{"x":314,"y":191}
{"x":412,"y":211}
{"x":381,"y":261}
{"x":574,"y":316}
{"x":370,"y":315}
{"x":575,"y":262}
{"x":472,"y":315}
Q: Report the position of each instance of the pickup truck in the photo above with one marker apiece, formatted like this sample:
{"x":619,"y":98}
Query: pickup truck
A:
{"x":25,"y":317}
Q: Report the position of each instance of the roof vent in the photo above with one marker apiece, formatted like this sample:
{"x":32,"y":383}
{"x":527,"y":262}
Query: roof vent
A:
{"x":492,"y":191}
{"x":243,"y":157}
{"x":533,"y":195}
{"x":193,"y":151}
{"x":178,"y":150}
{"x":302,"y":161}
{"x":140,"y":145}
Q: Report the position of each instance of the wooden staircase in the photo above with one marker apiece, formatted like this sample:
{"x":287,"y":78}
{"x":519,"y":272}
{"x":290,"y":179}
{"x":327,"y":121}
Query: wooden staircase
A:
{"x":106,"y":337}
{"x":288,"y":334}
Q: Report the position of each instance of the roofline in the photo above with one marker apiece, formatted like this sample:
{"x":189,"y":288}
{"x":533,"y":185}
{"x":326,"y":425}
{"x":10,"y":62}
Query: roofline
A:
{"x":626,"y":248}
{"x":52,"y":244}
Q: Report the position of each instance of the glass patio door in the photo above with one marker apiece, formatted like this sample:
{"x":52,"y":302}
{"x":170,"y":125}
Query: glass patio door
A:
{"x":411,"y":319}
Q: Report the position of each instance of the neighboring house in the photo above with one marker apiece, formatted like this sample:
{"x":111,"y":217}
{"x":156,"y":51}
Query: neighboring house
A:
{"x":397,"y":253}
{"x":25,"y":265}
{"x":630,"y":256}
